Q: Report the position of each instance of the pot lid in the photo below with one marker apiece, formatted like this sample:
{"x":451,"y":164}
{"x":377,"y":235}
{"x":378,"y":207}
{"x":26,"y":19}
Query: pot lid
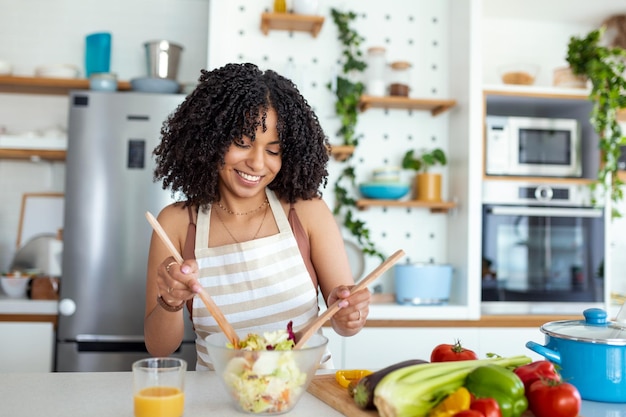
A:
{"x":595,"y":328}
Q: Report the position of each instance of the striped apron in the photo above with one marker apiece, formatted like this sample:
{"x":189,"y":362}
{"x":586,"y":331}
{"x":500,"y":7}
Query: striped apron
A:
{"x":260,"y":285}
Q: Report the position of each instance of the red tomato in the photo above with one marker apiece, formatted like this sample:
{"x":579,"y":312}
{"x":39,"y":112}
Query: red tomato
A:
{"x":549,"y":398}
{"x":449,"y":353}
{"x":469,"y":413}
{"x":537,"y":370}
{"x":489,"y":407}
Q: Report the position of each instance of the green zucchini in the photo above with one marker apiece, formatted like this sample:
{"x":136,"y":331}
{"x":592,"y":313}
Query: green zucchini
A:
{"x":364,"y":390}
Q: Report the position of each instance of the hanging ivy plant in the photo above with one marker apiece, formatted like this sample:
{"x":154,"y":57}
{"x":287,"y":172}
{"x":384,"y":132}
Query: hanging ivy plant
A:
{"x":604,"y":67}
{"x":348,"y":94}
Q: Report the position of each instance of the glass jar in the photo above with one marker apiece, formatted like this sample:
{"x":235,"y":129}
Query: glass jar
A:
{"x":103,"y":81}
{"x":280,"y":6}
{"x":376,"y":68}
{"x":400,"y":78}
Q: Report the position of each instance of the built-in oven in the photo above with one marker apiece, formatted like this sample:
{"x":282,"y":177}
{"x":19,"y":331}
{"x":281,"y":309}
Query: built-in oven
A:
{"x":542,"y":248}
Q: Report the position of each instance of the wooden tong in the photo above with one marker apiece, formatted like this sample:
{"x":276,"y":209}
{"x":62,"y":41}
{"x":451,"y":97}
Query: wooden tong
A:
{"x":215,"y":311}
{"x":306,"y":333}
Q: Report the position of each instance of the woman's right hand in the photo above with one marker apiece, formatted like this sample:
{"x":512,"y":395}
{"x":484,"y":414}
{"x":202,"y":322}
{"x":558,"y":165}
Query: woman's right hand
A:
{"x":178,"y":282}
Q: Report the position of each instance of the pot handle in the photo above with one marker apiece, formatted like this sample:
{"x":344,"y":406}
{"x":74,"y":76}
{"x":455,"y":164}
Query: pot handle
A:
{"x":549,"y":354}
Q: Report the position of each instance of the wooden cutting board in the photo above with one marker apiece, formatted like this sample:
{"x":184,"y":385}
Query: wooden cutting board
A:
{"x":326,"y":389}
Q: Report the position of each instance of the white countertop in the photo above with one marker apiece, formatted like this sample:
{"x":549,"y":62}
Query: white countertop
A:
{"x":27,"y":306}
{"x":109,"y":394}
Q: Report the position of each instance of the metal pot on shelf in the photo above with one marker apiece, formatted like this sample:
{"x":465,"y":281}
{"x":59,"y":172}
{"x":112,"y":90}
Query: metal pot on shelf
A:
{"x":422,"y":283}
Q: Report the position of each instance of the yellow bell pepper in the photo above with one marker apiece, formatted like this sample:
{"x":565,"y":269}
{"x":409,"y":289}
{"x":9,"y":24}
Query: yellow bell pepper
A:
{"x":459,"y":400}
{"x":345,"y":376}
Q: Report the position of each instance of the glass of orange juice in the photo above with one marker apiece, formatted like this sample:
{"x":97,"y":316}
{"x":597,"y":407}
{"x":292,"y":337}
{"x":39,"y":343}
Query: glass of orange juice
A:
{"x":159,"y":387}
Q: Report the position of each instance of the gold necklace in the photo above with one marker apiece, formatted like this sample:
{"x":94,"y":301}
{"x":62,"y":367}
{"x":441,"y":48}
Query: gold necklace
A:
{"x":229,"y":211}
{"x":231,"y":235}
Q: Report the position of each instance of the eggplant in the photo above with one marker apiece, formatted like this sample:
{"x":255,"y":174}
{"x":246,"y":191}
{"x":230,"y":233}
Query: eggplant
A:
{"x":363,"y":393}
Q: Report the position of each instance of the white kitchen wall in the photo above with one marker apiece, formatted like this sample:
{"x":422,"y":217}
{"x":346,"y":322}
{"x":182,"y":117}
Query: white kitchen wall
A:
{"x":44,"y":32}
{"x":415,"y":31}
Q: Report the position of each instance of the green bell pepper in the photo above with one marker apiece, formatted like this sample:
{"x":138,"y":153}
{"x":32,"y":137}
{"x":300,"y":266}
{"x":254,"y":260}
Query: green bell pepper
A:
{"x":501,"y":384}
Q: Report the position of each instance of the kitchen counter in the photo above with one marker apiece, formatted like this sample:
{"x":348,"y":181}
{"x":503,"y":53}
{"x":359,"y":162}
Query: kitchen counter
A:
{"x":107,"y":394}
{"x":110,"y":394}
{"x":27,"y":306}
{"x":26,"y":310}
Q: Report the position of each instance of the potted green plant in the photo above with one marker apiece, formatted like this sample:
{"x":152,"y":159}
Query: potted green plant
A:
{"x":604,"y":66}
{"x":348,"y":93}
{"x":427,"y":184}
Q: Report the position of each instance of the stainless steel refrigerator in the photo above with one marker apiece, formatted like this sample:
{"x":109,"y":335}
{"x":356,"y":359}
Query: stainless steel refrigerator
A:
{"x":109,"y":187}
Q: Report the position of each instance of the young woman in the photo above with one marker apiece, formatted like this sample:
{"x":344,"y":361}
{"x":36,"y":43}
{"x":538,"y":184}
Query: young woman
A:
{"x":249,"y":156}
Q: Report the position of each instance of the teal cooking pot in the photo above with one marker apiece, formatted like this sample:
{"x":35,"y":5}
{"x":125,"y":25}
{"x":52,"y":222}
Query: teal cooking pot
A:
{"x":590,"y":353}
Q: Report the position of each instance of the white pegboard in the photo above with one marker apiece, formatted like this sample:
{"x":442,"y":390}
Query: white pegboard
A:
{"x":410,"y":30}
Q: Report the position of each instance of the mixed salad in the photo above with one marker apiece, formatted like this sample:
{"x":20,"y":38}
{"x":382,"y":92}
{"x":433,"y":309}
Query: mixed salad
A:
{"x":266,"y":383}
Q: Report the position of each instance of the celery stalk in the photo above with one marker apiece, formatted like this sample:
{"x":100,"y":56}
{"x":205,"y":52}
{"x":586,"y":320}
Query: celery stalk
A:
{"x":414,"y":390}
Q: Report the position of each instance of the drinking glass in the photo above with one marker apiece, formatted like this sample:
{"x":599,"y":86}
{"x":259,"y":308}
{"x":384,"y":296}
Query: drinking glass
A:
{"x":158,"y":387}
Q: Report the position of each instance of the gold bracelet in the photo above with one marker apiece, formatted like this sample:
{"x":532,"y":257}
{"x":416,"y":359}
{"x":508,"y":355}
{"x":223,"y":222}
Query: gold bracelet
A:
{"x":167,"y":307}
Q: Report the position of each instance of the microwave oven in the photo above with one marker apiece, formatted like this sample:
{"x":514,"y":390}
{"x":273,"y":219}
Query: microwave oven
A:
{"x":533,"y":146}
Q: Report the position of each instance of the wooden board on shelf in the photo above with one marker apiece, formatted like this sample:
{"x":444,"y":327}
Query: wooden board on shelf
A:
{"x":537,"y":92}
{"x":33,"y":154}
{"x":435,"y":106}
{"x":434,"y":207}
{"x":341,"y":152}
{"x":541,"y":180}
{"x":291,"y":22}
{"x":54,"y":86}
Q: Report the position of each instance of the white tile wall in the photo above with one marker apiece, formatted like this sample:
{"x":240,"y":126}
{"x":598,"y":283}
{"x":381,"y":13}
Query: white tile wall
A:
{"x":415,"y":31}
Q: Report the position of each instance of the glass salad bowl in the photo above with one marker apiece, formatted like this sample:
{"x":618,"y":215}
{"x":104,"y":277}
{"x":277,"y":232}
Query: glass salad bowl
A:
{"x":265,"y":382}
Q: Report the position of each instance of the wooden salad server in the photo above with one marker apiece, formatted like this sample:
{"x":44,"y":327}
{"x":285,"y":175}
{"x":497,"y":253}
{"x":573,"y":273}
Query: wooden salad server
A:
{"x":215,"y":311}
{"x":303,"y":335}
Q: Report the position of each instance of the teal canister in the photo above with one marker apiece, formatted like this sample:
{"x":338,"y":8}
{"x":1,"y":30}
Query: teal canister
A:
{"x":422,"y":283}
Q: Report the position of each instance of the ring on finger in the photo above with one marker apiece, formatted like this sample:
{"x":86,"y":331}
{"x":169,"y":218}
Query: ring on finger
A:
{"x":167,"y":268}
{"x":169,"y":291}
{"x":359,"y":319}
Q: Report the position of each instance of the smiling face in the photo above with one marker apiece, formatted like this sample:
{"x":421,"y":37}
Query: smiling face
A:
{"x":249,"y":166}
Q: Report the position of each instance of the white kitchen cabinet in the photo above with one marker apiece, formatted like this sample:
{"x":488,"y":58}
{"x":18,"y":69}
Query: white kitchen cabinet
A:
{"x":506,"y":341}
{"x":26,"y":346}
{"x":375,"y":348}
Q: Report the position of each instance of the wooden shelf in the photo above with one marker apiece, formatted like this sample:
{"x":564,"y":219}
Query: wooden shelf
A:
{"x":53,"y":86}
{"x":33,"y":154}
{"x":435,"y":106}
{"x":291,"y":22}
{"x":537,"y":92}
{"x":542,"y":180}
{"x":434,"y":207}
{"x":341,"y":152}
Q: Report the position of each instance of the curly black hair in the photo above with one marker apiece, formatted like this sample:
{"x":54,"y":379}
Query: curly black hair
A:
{"x":231,"y":102}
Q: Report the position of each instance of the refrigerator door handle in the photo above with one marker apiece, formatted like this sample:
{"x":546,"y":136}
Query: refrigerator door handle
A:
{"x":105,"y":338}
{"x":109,"y":343}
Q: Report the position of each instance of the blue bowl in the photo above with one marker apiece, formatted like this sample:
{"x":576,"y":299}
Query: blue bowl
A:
{"x":384,"y":190}
{"x":154,"y":85}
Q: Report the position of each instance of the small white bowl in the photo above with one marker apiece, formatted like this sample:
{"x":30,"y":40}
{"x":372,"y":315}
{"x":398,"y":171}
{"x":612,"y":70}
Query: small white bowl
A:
{"x":15,"y":287}
{"x":5,"y":68}
{"x":57,"y":71}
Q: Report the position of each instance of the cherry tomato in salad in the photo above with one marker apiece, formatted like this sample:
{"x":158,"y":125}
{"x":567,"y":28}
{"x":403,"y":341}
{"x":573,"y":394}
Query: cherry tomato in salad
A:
{"x":449,"y":353}
{"x":550,"y":398}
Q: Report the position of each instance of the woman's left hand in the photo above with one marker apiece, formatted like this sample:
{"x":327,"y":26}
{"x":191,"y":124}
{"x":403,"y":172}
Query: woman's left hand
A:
{"x":353,"y":311}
